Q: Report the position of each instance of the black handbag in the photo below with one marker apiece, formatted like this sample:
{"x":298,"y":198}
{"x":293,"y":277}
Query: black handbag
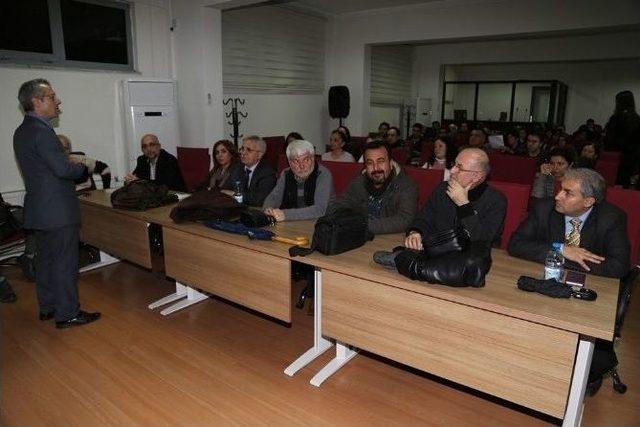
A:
{"x":337,"y":232}
{"x":140,"y":195}
{"x":255,"y":219}
{"x":442,"y":242}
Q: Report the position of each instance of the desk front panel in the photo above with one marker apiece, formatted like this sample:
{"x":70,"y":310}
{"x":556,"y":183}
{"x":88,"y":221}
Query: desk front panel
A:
{"x":520,"y":361}
{"x":118,"y":234}
{"x":251,"y":278}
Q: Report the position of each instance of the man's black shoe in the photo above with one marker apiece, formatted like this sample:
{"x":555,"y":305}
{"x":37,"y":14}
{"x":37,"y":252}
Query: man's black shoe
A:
{"x":6,"y":292}
{"x":82,"y":318}
{"x":386,"y":258}
{"x":46,"y":316}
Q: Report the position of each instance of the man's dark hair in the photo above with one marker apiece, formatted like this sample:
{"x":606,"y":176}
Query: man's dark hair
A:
{"x":538,"y":132}
{"x":374,"y":145}
{"x":568,"y":153}
{"x":29,"y":90}
{"x":396,"y":129}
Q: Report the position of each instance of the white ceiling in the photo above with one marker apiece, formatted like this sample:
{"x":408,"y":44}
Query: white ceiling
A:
{"x":336,"y":7}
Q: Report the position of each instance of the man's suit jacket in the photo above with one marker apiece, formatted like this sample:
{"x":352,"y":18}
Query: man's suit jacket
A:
{"x":262,"y":182}
{"x":167,"y":171}
{"x":50,"y":201}
{"x":604,"y":233}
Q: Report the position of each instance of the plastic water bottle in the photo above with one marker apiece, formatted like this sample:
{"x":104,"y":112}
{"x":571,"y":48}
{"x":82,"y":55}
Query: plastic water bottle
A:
{"x":238,"y":193}
{"x":554,"y":263}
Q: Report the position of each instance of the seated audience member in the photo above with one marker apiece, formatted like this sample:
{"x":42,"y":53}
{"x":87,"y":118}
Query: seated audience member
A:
{"x":466,"y":200}
{"x":383,"y":128}
{"x":514,"y":145}
{"x":304,"y":190}
{"x":477,"y":139}
{"x":593,"y":231}
{"x":337,"y":142}
{"x":93,"y":166}
{"x":157,"y":165}
{"x":443,"y":156}
{"x":259,"y":178}
{"x":384,"y":192}
{"x":227,"y":169}
{"x":534,"y":147}
{"x":293,"y":136}
{"x":547,"y":181}
{"x":588,"y":155}
{"x":350,"y":146}
{"x":394,"y":139}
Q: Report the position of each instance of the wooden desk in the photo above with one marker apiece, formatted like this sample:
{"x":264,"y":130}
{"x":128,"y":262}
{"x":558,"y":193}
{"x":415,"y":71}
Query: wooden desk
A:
{"x":121,"y":233}
{"x":523,"y":347}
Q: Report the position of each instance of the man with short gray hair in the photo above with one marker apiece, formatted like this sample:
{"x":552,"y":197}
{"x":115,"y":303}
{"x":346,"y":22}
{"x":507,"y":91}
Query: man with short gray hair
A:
{"x":259,"y":177}
{"x":592,"y":231}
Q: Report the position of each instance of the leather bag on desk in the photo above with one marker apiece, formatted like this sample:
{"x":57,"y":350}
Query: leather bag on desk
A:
{"x":141,"y":194}
{"x":452,"y":240}
{"x":457,"y":268}
{"x":206,"y":205}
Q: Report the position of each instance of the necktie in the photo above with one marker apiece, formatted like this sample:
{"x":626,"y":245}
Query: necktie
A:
{"x":573,"y":238}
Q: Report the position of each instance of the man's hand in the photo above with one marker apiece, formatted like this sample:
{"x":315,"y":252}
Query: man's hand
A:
{"x":457,"y":193}
{"x":545,"y":168}
{"x":129,"y":177}
{"x":581,"y":256}
{"x":278,"y":214}
{"x":413,"y":241}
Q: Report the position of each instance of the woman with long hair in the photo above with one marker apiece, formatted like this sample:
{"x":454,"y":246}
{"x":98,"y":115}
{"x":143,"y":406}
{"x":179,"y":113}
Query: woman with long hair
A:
{"x":226,"y":167}
{"x":443,"y":156}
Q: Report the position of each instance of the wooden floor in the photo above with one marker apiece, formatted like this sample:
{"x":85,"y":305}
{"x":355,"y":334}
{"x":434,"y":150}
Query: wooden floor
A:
{"x":217,"y":364}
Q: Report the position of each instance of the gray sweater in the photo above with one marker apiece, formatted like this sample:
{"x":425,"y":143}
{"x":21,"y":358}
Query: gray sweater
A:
{"x":323,"y":194}
{"x":398,"y":204}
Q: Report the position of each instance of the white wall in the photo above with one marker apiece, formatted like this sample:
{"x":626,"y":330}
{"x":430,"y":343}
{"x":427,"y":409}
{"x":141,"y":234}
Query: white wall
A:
{"x":91,"y":105}
{"x":444,"y":21}
{"x":273,"y":115}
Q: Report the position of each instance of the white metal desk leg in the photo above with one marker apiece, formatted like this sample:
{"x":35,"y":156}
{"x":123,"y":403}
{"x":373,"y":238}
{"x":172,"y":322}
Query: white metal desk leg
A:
{"x":343,"y":355}
{"x":575,"y":405}
{"x":320,"y":344}
{"x":105,"y":259}
{"x":181,"y":292}
{"x":193,"y":297}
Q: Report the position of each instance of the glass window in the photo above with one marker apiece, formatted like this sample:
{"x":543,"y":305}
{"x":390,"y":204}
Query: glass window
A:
{"x":531,"y":102}
{"x":494,"y":101}
{"x":459,"y":101}
{"x":17,"y":16}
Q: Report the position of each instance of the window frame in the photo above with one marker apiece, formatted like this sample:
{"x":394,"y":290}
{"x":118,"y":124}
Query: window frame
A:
{"x":57,"y":58}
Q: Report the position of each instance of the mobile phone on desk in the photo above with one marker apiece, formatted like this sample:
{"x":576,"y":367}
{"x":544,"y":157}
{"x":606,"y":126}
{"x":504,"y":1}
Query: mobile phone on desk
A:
{"x":575,"y":278}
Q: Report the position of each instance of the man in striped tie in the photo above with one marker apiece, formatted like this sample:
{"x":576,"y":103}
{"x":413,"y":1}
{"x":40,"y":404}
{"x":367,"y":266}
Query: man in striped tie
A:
{"x":593,"y":232}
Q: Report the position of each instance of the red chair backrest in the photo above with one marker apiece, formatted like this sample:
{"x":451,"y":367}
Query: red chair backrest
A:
{"x":194,"y":164}
{"x":426,"y":152}
{"x":608,"y":170}
{"x":629,"y":202}
{"x":610,"y":156}
{"x":508,"y":168}
{"x":426,"y":179}
{"x":400,"y":155}
{"x":275,"y":147}
{"x":283,"y":162}
{"x":517,"y":201}
{"x":343,"y":173}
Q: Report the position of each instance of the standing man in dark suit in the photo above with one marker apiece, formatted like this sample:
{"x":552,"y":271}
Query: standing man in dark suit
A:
{"x":51,"y":207}
{"x":157,"y":165}
{"x":593,"y":231}
{"x":259,"y":177}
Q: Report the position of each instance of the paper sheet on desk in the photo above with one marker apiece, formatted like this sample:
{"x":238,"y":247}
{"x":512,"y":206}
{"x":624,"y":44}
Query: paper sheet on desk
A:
{"x":182,"y":196}
{"x":496,"y":141}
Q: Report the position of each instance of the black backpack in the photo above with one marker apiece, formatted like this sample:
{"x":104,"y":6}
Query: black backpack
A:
{"x":337,"y":232}
{"x":9,"y":224}
{"x":140,"y":195}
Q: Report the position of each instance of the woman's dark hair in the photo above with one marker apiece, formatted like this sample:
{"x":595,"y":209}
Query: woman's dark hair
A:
{"x":568,"y":153}
{"x":450,"y":156}
{"x":625,"y":102}
{"x":343,"y":137}
{"x":345,"y":131}
{"x":230,"y":148}
{"x":295,"y":135}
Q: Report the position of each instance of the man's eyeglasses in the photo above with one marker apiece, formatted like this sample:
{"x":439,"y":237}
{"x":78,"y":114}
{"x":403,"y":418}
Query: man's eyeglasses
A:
{"x":462,"y":169}
{"x":249,"y":150}
{"x":300,"y":160}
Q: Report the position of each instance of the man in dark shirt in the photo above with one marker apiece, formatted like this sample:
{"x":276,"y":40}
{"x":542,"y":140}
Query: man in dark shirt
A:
{"x":157,"y":165}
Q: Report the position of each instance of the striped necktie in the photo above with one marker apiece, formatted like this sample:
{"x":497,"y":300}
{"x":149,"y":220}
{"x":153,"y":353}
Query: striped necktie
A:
{"x":573,"y":238}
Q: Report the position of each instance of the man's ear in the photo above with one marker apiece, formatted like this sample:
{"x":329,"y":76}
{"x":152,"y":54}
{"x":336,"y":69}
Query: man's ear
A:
{"x":589,"y":201}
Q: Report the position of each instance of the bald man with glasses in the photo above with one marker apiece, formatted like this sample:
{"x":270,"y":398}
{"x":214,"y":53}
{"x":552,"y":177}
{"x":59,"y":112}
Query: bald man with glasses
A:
{"x":464,"y":200}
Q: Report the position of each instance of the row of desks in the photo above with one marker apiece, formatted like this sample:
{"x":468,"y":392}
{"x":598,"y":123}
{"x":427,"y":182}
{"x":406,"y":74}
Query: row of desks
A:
{"x":522,"y":347}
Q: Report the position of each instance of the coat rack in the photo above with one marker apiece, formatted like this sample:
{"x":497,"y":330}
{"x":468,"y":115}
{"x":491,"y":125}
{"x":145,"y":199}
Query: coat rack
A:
{"x":235,"y":117}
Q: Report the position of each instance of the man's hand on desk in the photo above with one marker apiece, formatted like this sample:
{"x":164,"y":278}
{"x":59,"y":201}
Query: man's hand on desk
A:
{"x":413,"y":241}
{"x":581,"y":256}
{"x":276,"y":213}
{"x":129,"y":177}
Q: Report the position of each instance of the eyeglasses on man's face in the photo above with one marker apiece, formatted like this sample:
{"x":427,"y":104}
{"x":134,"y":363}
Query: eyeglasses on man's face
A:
{"x":461,"y":168}
{"x":301,"y":160}
{"x":249,"y":150}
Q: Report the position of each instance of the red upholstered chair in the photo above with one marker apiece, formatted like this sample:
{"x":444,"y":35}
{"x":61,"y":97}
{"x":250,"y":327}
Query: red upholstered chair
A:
{"x":400,"y":155}
{"x":283,"y":162}
{"x":517,"y":201}
{"x":275,"y":147}
{"x":508,"y":168}
{"x":426,"y":179}
{"x":427,"y":151}
{"x":608,"y":170}
{"x":343,"y":173}
{"x":194,"y":165}
{"x":610,"y":156}
{"x":629,"y":202}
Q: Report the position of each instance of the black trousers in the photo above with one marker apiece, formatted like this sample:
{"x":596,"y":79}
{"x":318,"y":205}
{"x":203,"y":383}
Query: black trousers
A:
{"x":57,"y":271}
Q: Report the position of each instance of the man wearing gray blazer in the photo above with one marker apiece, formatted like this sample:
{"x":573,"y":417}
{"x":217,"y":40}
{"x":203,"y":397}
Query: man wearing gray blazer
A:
{"x":51,"y":207}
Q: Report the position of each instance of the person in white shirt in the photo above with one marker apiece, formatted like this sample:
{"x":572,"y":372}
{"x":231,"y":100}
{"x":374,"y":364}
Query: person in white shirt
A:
{"x":443,"y":156}
{"x":337,"y":152}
